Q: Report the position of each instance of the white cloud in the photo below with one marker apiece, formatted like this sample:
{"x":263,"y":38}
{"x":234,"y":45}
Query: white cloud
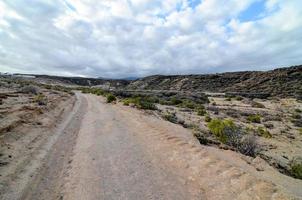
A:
{"x":117,"y":38}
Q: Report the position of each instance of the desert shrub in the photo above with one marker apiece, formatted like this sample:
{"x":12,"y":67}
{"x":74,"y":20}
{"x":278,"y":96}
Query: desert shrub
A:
{"x":300,"y":131}
{"x":207,"y":118}
{"x":237,"y":138}
{"x":201,"y":107}
{"x":141,"y":103}
{"x":228,"y":133}
{"x":269,"y":125}
{"x":151,"y":99}
{"x":96,"y":91}
{"x":296,"y":167}
{"x":126,"y":101}
{"x":248,"y":145}
{"x":296,"y":116}
{"x":99,"y":92}
{"x":29,"y":89}
{"x":257,"y":104}
{"x":146,"y":105}
{"x":272,"y":118}
{"x":297,"y":122}
{"x":110,"y":98}
{"x":214,"y":103}
{"x":231,"y":134}
{"x":171,"y":117}
{"x":238,"y":98}
{"x":201,"y":138}
{"x":201,"y":112}
{"x":218,"y":126}
{"x":254,"y":118}
{"x":40,"y":99}
{"x":85,"y":90}
{"x":228,"y":99}
{"x":298,"y":110}
{"x":263,"y":132}
{"x":164,"y":102}
{"x":188,"y":104}
{"x":47,"y":87}
{"x":175,"y":101}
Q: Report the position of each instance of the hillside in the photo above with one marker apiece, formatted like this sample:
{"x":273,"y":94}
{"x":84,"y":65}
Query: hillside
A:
{"x":79,"y":81}
{"x":279,"y":82}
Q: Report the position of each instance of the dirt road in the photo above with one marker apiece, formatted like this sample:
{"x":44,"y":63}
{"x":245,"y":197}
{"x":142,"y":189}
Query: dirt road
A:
{"x":115,"y":152}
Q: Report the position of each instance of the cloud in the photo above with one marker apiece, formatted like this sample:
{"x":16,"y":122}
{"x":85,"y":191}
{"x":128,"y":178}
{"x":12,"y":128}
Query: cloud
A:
{"x":121,"y":38}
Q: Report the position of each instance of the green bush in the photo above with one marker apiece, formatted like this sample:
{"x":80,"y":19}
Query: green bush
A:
{"x":110,"y":98}
{"x":207,"y":118}
{"x":298,"y":110}
{"x":40,"y":99}
{"x":297,"y":122}
{"x":171,"y":117}
{"x":238,"y":98}
{"x":201,"y":138}
{"x":300,"y":131}
{"x":175,"y":101}
{"x":218,"y":126}
{"x":296,"y":168}
{"x":269,"y":125}
{"x":164,"y":102}
{"x":150,"y":99}
{"x":228,"y":133}
{"x":264,"y":132}
{"x":30,"y":89}
{"x":188,"y":104}
{"x":296,"y":116}
{"x":146,"y":105}
{"x":228,"y":99}
{"x":201,"y":111}
{"x":126,"y":101}
{"x":96,"y":91}
{"x":254,"y":118}
{"x":141,"y":102}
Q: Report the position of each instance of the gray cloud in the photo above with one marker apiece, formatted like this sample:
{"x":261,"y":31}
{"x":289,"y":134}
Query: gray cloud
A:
{"x":120,"y":38}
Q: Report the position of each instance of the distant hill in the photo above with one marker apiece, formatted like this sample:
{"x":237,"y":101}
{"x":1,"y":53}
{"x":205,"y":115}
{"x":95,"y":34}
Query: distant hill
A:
{"x":282,"y":82}
{"x":80,"y":81}
{"x":279,"y":82}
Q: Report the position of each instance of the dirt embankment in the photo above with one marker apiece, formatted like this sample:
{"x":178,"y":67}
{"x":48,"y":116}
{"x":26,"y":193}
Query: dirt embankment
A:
{"x":29,"y":115}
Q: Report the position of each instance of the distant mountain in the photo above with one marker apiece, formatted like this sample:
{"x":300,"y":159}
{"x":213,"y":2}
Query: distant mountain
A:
{"x":130,"y":78}
{"x":81,"y":81}
{"x":126,"y":78}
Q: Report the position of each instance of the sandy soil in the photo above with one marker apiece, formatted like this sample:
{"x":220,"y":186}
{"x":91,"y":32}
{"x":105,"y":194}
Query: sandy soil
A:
{"x":105,"y":151}
{"x":279,"y":150}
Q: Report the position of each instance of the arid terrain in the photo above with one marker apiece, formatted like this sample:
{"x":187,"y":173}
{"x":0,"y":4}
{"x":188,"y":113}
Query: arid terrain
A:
{"x":224,"y":136}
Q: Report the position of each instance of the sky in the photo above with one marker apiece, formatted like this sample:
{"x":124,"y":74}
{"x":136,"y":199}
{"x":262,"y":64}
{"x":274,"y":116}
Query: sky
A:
{"x":135,"y":38}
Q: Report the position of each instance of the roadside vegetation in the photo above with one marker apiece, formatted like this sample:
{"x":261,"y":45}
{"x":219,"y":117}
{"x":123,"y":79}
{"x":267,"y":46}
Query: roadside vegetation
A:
{"x":296,"y":167}
{"x":228,"y":133}
{"x":110,"y":98}
{"x":254,"y":118}
{"x":215,"y":121}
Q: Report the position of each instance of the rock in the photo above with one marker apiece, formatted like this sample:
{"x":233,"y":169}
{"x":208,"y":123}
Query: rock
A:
{"x":259,"y":164}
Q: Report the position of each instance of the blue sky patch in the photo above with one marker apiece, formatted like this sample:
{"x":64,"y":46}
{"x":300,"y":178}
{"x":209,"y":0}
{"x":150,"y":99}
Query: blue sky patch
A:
{"x":253,"y":12}
{"x":194,"y":3}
